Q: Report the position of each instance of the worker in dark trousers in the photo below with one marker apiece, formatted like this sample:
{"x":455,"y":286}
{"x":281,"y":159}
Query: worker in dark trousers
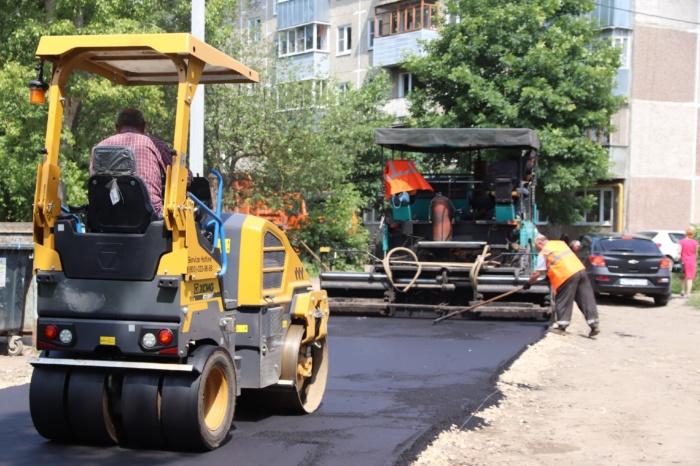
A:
{"x":569,"y":281}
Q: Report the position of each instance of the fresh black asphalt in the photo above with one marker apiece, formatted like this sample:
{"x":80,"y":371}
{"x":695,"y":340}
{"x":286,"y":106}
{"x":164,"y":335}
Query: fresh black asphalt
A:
{"x":393,"y":385}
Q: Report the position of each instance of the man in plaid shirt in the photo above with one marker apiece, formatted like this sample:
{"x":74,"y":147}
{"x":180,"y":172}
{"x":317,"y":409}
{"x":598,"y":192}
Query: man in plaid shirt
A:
{"x":152,"y":155}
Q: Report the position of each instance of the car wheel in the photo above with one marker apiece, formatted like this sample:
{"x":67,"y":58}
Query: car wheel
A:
{"x":662,"y":300}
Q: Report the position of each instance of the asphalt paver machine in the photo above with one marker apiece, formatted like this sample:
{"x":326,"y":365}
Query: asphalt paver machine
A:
{"x":458,"y":236}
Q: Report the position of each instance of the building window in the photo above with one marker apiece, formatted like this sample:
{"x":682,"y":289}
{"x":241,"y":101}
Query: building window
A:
{"x":254,"y":29}
{"x":599,"y":136}
{"x":405,"y":84}
{"x":293,"y":96}
{"x":370,"y":34}
{"x":291,"y":41}
{"x":344,"y":40}
{"x":621,"y":38}
{"x":613,"y":13}
{"x":372,"y":216}
{"x":307,"y":38}
{"x":274,"y":5}
{"x":602,"y":212}
{"x":405,"y":16}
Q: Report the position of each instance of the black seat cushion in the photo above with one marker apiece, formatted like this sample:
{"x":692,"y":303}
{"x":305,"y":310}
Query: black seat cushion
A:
{"x":130,"y":214}
{"x":503,"y":191}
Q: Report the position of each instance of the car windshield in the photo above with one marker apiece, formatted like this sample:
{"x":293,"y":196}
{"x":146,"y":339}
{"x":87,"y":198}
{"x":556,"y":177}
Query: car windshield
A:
{"x":629,"y":245}
{"x":675,"y":237}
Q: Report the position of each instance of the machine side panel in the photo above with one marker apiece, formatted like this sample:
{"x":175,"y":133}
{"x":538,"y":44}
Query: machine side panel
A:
{"x":260,"y":337}
{"x":111,"y":255}
{"x":233,"y":224}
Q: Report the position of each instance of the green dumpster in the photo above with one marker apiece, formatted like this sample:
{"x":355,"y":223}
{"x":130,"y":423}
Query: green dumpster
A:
{"x":15,"y":278}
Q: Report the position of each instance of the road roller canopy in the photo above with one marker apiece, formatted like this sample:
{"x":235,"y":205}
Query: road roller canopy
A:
{"x":441,"y":140}
{"x":178,"y":59}
{"x":143,"y":59}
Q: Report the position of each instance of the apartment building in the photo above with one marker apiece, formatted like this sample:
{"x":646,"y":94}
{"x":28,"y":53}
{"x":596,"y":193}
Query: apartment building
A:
{"x":655,"y":170}
{"x":345,"y":37}
{"x":654,"y":152}
{"x":661,"y":172}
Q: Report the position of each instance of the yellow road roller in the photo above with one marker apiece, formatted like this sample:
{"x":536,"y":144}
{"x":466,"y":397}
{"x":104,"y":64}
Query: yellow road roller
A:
{"x":150,"y":327}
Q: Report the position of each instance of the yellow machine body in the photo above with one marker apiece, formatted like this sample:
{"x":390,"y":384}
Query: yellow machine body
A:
{"x":179,"y":316}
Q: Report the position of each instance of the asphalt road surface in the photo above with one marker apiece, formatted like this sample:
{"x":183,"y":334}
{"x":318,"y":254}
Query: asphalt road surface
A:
{"x":393,"y":385}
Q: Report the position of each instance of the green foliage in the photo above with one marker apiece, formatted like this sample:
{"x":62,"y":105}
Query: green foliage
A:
{"x":349,"y":130}
{"x":22,"y":132}
{"x":332,"y":220}
{"x":304,"y":138}
{"x":538,"y":64}
{"x":92,"y":102}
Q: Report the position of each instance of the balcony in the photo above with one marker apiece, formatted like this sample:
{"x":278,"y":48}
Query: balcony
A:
{"x":390,"y":51}
{"x":399,"y":27}
{"x":310,"y":65}
{"x":292,"y":13}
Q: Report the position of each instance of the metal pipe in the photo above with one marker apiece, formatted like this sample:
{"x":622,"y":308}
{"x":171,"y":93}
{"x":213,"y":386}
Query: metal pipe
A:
{"x":451,"y":244}
{"x":352,"y":277}
{"x":327,"y":278}
{"x":620,"y":202}
{"x":496,"y":298}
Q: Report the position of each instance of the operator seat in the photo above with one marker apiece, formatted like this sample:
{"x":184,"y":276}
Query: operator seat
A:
{"x":504,"y":186}
{"x":503,"y":191}
{"x":124,"y":239}
{"x":118,"y":201}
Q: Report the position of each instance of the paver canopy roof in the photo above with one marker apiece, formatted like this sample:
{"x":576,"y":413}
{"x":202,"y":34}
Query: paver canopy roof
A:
{"x":455,"y":139}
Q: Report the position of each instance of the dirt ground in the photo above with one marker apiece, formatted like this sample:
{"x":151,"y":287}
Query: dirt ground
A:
{"x":629,"y":396}
{"x":15,"y":370}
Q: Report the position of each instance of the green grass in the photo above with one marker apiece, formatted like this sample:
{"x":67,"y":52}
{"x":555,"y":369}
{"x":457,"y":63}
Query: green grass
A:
{"x":693,"y":300}
{"x":676,"y":283}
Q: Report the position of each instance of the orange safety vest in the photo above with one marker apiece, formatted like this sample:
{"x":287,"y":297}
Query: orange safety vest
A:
{"x":401,"y":176}
{"x":562,"y":263}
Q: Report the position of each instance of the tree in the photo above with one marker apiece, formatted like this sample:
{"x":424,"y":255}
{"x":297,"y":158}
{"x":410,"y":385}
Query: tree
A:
{"x":290,"y":136}
{"x":540,"y":64}
{"x":287,"y":136}
{"x":92,"y":103}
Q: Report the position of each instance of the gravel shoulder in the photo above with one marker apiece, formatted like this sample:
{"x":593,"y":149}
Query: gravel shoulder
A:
{"x":629,"y":396}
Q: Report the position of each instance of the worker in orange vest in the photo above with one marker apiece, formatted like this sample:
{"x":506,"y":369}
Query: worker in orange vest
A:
{"x":569,"y":281}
